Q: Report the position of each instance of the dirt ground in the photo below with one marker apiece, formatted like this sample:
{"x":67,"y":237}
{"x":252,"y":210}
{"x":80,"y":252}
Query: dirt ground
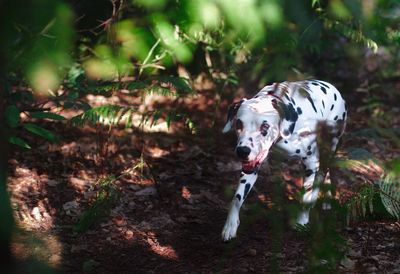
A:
{"x":173,"y":199}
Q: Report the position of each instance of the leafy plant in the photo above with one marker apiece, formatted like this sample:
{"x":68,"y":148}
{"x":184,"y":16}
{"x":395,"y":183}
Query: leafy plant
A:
{"x":357,"y":206}
{"x":17,"y":127}
{"x":105,"y":115}
{"x":390,"y":194}
{"x":107,"y":195}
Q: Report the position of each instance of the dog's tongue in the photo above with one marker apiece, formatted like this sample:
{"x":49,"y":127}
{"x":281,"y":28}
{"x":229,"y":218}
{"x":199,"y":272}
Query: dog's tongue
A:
{"x":248,"y":166}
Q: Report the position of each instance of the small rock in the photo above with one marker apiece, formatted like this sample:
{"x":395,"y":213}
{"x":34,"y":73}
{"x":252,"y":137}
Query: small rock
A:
{"x":132,"y":205}
{"x":53,"y":182}
{"x":71,"y":208}
{"x":55,"y":259}
{"x":353,"y":253}
{"x":242,"y":270}
{"x":90,"y":266}
{"x":372,"y":269}
{"x":89,"y":194}
{"x":252,"y":252}
{"x":134,"y":187}
{"x":128,"y":234}
{"x":347,"y":263}
{"x":148,"y":191}
{"x":36,"y":213}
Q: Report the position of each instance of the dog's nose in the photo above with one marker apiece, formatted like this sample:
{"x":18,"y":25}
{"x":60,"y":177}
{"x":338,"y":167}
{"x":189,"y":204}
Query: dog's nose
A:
{"x":243,"y":152}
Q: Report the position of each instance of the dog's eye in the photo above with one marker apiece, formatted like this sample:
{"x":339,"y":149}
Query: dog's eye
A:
{"x":239,"y":125}
{"x":264,"y":128}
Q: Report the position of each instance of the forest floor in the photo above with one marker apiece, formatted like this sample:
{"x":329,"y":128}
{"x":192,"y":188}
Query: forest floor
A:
{"x":174,"y":188}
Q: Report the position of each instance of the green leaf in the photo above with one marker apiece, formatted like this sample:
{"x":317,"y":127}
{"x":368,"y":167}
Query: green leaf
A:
{"x":136,"y":85}
{"x":12,"y":115}
{"x":35,"y":129}
{"x":19,"y":142}
{"x":390,"y":194}
{"x":47,"y":115}
{"x":356,"y":153}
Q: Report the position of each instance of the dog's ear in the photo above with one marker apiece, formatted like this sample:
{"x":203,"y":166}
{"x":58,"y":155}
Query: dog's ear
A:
{"x":232,"y":111}
{"x":288,"y":116}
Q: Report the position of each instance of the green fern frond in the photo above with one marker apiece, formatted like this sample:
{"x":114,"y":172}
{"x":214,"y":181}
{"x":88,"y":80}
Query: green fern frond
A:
{"x":357,"y":206}
{"x":162,"y":85}
{"x":105,"y":115}
{"x":178,"y":84}
{"x":107,"y":195}
{"x":390,"y":194}
{"x":159,"y":90}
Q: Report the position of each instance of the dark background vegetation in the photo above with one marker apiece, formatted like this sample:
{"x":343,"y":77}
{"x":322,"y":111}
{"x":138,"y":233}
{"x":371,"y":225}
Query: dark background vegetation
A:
{"x":111,"y":156}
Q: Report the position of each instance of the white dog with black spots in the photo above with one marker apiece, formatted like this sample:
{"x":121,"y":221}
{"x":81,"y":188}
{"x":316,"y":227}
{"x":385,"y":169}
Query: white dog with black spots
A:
{"x":285,"y":115}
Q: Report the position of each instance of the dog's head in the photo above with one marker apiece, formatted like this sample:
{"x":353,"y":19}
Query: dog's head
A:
{"x":256,"y":122}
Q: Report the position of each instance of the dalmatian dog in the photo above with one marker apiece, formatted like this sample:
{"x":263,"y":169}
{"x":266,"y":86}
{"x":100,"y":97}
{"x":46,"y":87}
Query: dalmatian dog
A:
{"x":285,"y":115}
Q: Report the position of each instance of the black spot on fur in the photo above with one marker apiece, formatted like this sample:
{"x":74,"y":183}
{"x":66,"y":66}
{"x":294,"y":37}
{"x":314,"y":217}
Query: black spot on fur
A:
{"x":255,"y":171}
{"x":291,"y":127}
{"x":304,"y":158}
{"x":264,"y":128}
{"x":233,"y":109}
{"x":239,"y":124}
{"x":344,"y":115}
{"x":241,"y":174}
{"x":309,"y":153}
{"x":299,"y":111}
{"x":293,"y":113}
{"x":238,"y":197}
{"x":315,"y":83}
{"x":287,"y":97}
{"x":285,"y":142}
{"x":332,"y":106}
{"x":288,"y":112}
{"x":335,"y":96}
{"x":308,"y":173}
{"x":297,"y":150}
{"x":243,"y":181}
{"x":323,"y":103}
{"x":294,"y":103}
{"x":323,"y":90}
{"x":246,"y":190}
{"x":309,"y":147}
{"x":286,"y":132}
{"x":312,"y":103}
{"x":336,"y":117}
{"x":325,"y":85}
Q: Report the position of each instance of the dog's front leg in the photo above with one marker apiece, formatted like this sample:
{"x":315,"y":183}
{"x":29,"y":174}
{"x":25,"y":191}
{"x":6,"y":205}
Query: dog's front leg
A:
{"x":246,"y":182}
{"x":311,"y":190}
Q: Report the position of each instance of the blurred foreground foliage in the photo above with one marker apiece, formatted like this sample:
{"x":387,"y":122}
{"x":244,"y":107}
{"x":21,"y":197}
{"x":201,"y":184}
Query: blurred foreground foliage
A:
{"x":65,"y":50}
{"x":54,"y":53}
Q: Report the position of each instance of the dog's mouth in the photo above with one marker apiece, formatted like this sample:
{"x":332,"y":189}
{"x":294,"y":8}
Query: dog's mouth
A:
{"x":250,"y":166}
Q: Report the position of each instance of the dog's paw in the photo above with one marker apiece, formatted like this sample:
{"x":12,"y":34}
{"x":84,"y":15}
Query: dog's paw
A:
{"x":303,"y":218}
{"x":326,"y":206}
{"x":230,"y":228}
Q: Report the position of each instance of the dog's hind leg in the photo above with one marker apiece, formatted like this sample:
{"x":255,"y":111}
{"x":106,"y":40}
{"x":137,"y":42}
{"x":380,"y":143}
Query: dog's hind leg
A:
{"x":246,"y":182}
